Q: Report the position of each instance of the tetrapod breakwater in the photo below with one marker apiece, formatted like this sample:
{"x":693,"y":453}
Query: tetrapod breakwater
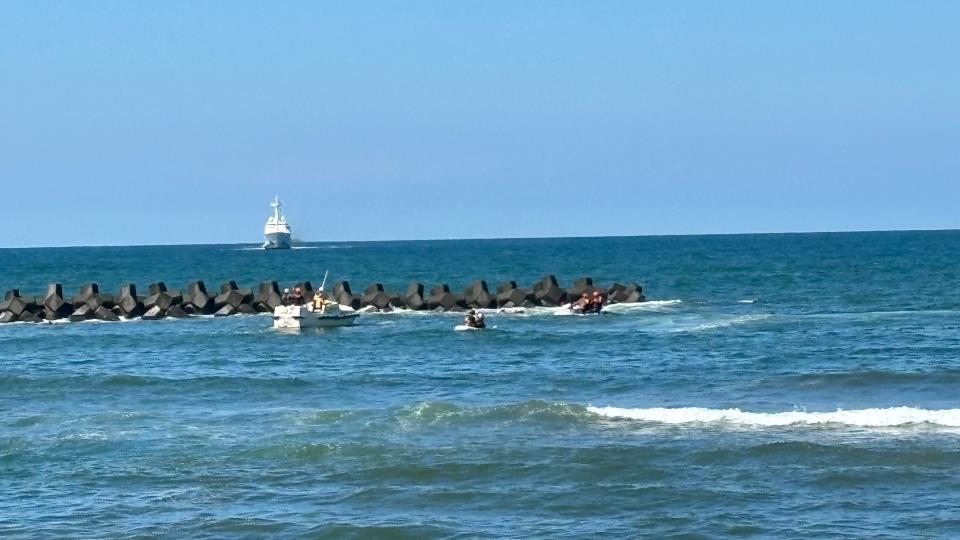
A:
{"x":90,"y":302}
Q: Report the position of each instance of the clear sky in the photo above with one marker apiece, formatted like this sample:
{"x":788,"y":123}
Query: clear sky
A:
{"x":177,"y":122}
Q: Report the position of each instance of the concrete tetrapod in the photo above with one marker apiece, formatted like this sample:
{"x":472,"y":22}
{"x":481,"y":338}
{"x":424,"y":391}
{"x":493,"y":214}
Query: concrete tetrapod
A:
{"x":374,"y":295}
{"x":29,"y":316}
{"x":267,"y":297}
{"x":153,"y":314}
{"x":441,"y":299}
{"x":547,"y":292}
{"x":369,"y":293}
{"x":580,"y":286}
{"x":477,"y":295}
{"x":86,"y":291}
{"x":198,"y":298}
{"x":231,"y":295}
{"x":615,"y":293}
{"x":14,"y":303}
{"x":413,"y":298}
{"x":54,"y":306}
{"x":91,"y":302}
{"x":177,"y":311}
{"x":82,"y":313}
{"x":633,"y":293}
{"x":104,"y":300}
{"x":91,"y":296}
{"x":128,"y":302}
{"x":225,"y":311}
{"x":160,"y":298}
{"x":344,"y":296}
{"x":516,"y":298}
{"x":104,"y":314}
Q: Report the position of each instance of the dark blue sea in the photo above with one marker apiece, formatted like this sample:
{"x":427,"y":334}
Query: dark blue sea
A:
{"x":795,"y":385}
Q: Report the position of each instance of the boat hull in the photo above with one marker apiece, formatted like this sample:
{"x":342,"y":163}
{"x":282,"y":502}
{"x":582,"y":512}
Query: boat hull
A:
{"x":298,"y":318}
{"x":277,"y":241}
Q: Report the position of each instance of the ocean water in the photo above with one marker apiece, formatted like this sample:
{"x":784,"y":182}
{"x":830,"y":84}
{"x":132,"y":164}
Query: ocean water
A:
{"x":773,"y":386}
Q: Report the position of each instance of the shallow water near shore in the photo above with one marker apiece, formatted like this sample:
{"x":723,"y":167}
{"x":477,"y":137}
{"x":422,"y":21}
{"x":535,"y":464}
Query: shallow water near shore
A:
{"x":774,"y":386}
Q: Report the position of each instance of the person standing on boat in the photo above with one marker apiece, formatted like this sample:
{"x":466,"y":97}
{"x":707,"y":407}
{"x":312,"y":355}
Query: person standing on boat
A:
{"x":297,"y":297}
{"x":319,"y":302}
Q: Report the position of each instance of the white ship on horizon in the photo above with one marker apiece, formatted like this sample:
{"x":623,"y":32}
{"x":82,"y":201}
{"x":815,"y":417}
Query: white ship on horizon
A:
{"x":276,"y":233}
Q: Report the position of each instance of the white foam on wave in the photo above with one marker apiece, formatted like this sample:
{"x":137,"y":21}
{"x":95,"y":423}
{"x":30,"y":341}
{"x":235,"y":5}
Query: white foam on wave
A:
{"x":694,"y":323}
{"x":623,"y":308}
{"x":513,"y":312}
{"x":401,"y":311}
{"x":649,"y":305}
{"x":723,"y":323}
{"x":537,"y":311}
{"x":869,"y":315}
{"x":260,"y":248}
{"x":872,"y":418}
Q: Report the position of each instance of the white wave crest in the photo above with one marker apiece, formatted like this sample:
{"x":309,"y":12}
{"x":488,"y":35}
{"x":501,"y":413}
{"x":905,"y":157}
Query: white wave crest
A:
{"x":260,"y":248}
{"x":875,"y":418}
{"x":723,"y":322}
{"x":649,"y":305}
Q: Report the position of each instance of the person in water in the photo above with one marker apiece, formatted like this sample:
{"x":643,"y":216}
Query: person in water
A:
{"x":474,"y":319}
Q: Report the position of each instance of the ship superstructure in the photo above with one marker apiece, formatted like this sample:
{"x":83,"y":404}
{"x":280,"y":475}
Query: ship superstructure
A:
{"x":276,"y":233}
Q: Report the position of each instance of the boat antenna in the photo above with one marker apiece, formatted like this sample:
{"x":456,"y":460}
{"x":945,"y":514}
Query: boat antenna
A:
{"x":324,"y":282}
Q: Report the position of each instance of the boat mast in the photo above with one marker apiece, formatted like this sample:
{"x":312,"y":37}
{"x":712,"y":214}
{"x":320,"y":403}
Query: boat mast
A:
{"x":276,"y":208}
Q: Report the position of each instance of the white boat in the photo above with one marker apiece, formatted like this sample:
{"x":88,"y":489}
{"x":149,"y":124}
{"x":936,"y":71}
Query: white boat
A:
{"x":298,"y":317}
{"x":276,"y":233}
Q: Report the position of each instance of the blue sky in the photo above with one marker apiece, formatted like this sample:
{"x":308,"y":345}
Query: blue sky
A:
{"x":177,"y":122}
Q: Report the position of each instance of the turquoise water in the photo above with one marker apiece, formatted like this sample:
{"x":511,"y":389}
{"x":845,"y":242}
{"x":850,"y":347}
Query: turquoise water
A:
{"x":774,"y":386}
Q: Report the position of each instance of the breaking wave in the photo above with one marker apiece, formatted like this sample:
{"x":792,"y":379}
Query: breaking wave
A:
{"x":649,"y":305}
{"x":872,"y":418}
{"x":537,"y":411}
{"x":433,"y":412}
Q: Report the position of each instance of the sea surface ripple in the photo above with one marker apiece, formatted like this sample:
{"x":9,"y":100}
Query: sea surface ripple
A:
{"x":774,"y":386}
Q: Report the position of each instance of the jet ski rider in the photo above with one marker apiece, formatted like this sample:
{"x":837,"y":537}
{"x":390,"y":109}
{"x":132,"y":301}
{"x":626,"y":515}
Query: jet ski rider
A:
{"x":474,"y":319}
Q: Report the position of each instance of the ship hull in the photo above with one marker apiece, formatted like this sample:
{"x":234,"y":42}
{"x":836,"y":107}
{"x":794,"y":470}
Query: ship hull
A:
{"x":277,"y":241}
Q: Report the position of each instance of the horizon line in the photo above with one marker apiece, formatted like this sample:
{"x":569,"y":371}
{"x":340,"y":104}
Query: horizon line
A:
{"x":492,"y":238}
